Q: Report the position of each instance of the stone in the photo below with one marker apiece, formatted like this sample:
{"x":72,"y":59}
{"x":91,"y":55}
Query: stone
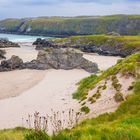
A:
{"x":13,"y":63}
{"x":5,"y":43}
{"x":64,"y":59}
{"x":2,"y":53}
{"x":53,"y":59}
{"x":113,"y":34}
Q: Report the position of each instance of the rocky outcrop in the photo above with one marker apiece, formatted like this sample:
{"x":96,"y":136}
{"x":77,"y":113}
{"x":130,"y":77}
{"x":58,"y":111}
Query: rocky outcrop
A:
{"x":45,"y":43}
{"x":2,"y":53}
{"x":5,"y":43}
{"x":14,"y":63}
{"x":110,"y":47}
{"x":54,"y":59}
{"x":62,"y":59}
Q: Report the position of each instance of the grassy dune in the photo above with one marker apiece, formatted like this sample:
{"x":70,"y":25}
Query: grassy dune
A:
{"x":129,"y":65}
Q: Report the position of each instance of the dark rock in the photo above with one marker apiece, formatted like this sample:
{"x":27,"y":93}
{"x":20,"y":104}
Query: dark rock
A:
{"x":14,"y":63}
{"x":2,"y":53}
{"x":45,"y":43}
{"x":4,"y":43}
{"x":62,"y":59}
{"x":55,"y":59}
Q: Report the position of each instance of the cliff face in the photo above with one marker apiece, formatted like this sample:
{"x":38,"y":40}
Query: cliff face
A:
{"x":63,"y":26}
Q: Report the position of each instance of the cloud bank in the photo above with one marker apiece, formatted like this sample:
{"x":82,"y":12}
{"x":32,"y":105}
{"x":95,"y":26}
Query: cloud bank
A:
{"x":34,"y":8}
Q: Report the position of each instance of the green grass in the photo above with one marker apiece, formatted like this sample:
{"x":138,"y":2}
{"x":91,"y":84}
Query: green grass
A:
{"x":124,"y":124}
{"x":85,"y":109}
{"x":13,"y":134}
{"x":128,"y":66}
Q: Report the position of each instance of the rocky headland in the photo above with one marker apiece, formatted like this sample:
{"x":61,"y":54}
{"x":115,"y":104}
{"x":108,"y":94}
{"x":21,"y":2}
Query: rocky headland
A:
{"x":68,"y":26}
{"x":111,"y":45}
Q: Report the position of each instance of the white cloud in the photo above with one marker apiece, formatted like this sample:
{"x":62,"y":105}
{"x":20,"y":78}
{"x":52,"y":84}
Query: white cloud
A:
{"x":28,"y":8}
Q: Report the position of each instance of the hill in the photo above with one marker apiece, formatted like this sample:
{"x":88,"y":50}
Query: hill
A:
{"x":67,"y":26}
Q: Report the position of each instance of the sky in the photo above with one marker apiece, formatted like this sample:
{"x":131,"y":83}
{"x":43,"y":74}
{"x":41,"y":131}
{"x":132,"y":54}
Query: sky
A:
{"x":35,"y":8}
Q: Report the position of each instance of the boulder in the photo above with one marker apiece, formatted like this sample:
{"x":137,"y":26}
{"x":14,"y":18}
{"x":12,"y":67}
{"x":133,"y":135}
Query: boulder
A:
{"x":2,"y":53}
{"x":13,"y":63}
{"x":62,"y":59}
{"x":46,"y":43}
{"x":53,"y":59}
{"x":4,"y":43}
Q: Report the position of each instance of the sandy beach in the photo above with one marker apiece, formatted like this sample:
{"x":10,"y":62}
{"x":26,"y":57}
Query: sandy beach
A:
{"x":104,"y":62}
{"x":53,"y":92}
{"x":23,"y":92}
{"x":25,"y":52}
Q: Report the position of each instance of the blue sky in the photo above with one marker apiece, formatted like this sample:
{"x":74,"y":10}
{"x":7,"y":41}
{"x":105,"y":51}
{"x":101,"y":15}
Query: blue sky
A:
{"x":34,"y":8}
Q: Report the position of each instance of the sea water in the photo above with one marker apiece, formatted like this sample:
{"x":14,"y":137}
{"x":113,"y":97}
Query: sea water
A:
{"x":21,"y":38}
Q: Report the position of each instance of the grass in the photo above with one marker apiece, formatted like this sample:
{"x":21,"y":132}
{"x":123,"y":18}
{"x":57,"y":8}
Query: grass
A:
{"x":13,"y":134}
{"x":124,"y":124}
{"x":128,"y":66}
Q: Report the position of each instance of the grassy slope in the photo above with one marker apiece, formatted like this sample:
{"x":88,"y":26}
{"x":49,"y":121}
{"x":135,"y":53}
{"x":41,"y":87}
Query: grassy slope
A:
{"x":126,"y":66}
{"x":76,"y":25}
{"x":13,"y":134}
{"x":124,"y":124}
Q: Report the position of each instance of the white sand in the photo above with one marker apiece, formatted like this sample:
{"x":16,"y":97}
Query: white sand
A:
{"x":103,"y":62}
{"x":26,"y":53}
{"x":53,"y":92}
{"x":15,"y":82}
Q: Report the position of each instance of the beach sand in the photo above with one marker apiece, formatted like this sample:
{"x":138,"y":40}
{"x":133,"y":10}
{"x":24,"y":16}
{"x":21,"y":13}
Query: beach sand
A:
{"x":104,"y":62}
{"x":23,"y":92}
{"x":53,"y":92}
{"x":26,"y":53}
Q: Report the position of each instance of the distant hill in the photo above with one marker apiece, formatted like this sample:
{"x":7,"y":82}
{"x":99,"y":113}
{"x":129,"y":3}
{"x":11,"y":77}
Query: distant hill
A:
{"x":66,"y":26}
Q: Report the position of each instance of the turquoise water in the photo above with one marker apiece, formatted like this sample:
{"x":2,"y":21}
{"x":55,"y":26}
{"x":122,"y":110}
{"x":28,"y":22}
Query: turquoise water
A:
{"x":21,"y":38}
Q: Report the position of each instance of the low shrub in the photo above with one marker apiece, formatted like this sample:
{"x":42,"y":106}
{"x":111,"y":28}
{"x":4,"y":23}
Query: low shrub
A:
{"x":85,"y":109}
{"x":104,"y":87}
{"x":118,"y":97}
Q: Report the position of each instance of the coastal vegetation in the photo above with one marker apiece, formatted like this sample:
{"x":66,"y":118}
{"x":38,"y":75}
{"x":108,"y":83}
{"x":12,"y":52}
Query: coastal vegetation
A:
{"x":128,"y":66}
{"x":109,"y":44}
{"x":123,"y":124}
{"x":66,"y":26}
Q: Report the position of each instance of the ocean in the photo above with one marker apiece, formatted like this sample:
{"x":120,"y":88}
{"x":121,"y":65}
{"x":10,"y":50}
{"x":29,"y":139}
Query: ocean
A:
{"x":21,"y":38}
